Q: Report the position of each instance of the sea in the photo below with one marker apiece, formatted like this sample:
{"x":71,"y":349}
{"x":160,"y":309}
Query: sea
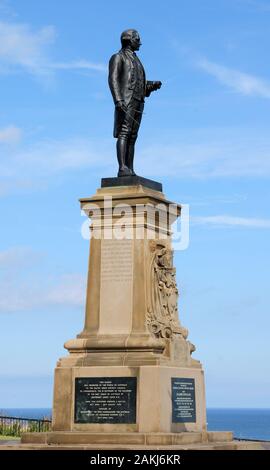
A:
{"x":245,"y":423}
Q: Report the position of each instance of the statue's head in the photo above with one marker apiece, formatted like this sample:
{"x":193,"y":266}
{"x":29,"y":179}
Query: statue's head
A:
{"x":131,"y":38}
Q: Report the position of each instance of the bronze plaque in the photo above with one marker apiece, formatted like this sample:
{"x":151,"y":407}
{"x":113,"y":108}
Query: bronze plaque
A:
{"x":105,"y":400}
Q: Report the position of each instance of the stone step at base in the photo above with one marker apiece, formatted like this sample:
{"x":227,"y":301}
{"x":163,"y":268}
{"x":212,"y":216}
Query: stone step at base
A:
{"x":130,"y":438}
{"x":233,"y":445}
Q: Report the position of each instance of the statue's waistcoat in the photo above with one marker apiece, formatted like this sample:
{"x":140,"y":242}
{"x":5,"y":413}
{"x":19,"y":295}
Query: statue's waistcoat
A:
{"x":136,"y":75}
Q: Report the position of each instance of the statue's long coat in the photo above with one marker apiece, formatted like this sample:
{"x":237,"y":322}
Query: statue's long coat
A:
{"x":122,"y":81}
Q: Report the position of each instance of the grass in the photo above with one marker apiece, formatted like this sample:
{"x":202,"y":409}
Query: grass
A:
{"x":16,"y":428}
{"x":9,"y":438}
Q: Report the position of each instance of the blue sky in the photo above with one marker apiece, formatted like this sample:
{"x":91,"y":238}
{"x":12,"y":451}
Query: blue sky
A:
{"x":205,"y":135}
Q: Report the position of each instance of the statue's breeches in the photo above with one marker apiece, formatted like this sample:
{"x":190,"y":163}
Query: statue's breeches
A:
{"x":127,"y":123}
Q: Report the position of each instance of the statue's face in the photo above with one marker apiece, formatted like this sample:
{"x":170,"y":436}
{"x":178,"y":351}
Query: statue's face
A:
{"x":135,"y":41}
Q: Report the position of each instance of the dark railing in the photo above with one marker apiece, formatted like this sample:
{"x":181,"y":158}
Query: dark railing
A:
{"x":10,"y":426}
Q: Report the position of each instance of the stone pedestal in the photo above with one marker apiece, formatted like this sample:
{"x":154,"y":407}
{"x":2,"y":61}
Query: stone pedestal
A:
{"x":151,"y":410}
{"x":130,"y":370}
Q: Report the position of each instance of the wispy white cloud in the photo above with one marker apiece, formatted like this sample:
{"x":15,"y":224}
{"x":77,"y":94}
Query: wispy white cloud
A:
{"x":33,"y":167}
{"x":231,"y":221}
{"x":240,"y":82}
{"x":218,"y":153}
{"x":215,"y":159}
{"x":260,"y":5}
{"x":52,"y":156}
{"x":10,"y":135}
{"x":26,"y":295}
{"x":69,"y":291}
{"x":28,"y":50}
{"x":6,"y":9}
{"x":78,"y":65}
{"x":206,"y":200}
{"x":17,"y":257}
{"x":21,"y":47}
{"x":24,"y":289}
{"x":230,"y":153}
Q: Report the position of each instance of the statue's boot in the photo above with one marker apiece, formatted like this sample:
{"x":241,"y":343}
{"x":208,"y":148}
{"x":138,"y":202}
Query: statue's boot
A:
{"x":130,"y":156}
{"x":121,"y":149}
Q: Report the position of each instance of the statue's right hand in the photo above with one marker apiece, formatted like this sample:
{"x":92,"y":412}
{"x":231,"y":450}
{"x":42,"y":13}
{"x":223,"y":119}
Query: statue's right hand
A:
{"x":157,"y":85}
{"x":121,"y":106}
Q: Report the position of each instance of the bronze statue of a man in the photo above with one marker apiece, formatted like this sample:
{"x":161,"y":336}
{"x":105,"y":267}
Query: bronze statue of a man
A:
{"x":129,"y":88}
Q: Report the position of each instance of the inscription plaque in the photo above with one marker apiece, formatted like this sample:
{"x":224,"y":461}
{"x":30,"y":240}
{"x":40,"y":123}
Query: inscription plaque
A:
{"x":116,"y":287}
{"x":116,"y":261}
{"x":183,"y":400}
{"x":105,"y":399}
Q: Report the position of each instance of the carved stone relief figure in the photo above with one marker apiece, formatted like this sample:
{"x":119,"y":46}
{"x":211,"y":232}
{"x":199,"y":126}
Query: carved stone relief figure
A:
{"x":162,"y":317}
